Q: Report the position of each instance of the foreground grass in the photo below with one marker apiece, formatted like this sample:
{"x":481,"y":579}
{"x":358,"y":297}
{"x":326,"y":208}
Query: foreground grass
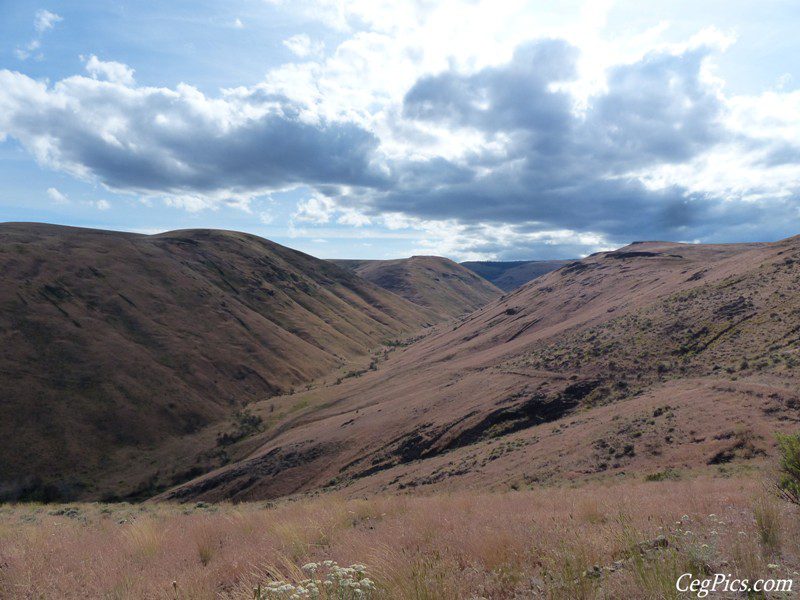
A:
{"x":600,"y":541}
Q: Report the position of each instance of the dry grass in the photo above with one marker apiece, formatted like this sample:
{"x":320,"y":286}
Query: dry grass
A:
{"x":557,"y":542}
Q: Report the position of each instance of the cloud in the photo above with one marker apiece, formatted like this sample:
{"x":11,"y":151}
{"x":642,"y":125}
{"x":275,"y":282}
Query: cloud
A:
{"x":57,"y":196}
{"x":783,"y":81}
{"x":349,"y":216}
{"x":302,"y":46}
{"x":238,"y":24}
{"x":658,"y":110}
{"x":504,"y":242}
{"x":26,"y":51}
{"x":316,"y":209}
{"x":467,"y":132}
{"x":556,"y":169}
{"x":45,"y":20}
{"x":112,"y":71}
{"x":102,"y":204}
{"x":181,"y":144}
{"x":516,"y":96}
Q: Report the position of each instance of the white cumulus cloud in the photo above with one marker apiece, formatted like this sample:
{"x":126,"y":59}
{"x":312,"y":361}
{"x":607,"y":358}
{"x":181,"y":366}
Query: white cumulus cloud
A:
{"x":316,"y":209}
{"x":115,"y":72}
{"x":302,"y":46}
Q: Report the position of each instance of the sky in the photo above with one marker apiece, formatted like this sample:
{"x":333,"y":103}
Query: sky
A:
{"x":476,"y":130}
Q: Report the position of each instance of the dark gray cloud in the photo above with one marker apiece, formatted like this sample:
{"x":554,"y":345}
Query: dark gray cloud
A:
{"x":568,"y":170}
{"x":159,"y":141}
{"x":510,"y":98}
{"x":557,"y":168}
{"x":656,"y":110}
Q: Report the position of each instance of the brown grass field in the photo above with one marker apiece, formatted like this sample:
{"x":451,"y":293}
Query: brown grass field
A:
{"x":594,"y":541}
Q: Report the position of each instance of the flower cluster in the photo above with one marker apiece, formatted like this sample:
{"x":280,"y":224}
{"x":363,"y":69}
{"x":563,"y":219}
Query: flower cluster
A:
{"x":327,"y":581}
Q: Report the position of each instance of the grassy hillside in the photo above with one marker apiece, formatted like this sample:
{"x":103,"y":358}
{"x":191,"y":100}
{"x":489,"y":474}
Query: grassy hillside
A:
{"x":436,"y":283}
{"x":617,"y":415}
{"x":113,"y":341}
{"x":651,"y":359}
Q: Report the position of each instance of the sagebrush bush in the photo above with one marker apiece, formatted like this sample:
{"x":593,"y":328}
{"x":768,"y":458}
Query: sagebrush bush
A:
{"x":789,"y":481}
{"x":327,"y":580}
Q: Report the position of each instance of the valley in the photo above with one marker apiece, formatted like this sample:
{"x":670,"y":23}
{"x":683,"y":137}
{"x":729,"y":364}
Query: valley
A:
{"x":510,"y":275}
{"x":246,"y":408}
{"x":653,"y":358}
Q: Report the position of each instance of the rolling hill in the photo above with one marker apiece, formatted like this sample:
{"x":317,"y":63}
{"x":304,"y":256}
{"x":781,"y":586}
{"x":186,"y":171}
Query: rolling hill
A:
{"x":443,"y":286}
{"x":112,"y":344}
{"x":654,"y":359}
{"x":510,"y":275}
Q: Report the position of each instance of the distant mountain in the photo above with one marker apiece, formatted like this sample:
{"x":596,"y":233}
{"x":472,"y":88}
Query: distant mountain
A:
{"x":437,"y":283}
{"x":113,"y":343}
{"x":648,"y":361}
{"x":510,"y":275}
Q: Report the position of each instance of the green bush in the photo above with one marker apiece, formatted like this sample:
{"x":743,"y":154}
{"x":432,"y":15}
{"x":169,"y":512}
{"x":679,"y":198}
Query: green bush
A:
{"x":789,"y":482}
{"x":665,"y":475}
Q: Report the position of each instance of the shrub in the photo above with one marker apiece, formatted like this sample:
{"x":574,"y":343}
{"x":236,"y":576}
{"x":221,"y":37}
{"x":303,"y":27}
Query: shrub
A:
{"x":665,"y":475}
{"x":789,"y":482}
{"x":768,"y":523}
{"x":205,"y":552}
{"x":246,"y":424}
{"x":326,"y":580}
